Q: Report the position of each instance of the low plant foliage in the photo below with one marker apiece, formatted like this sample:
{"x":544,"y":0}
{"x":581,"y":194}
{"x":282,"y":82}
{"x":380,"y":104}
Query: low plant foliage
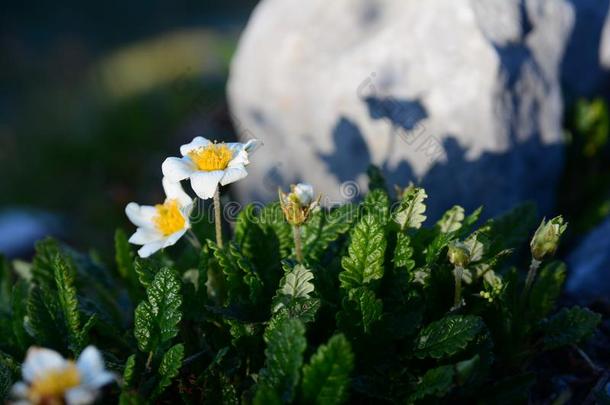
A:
{"x":368,"y":315}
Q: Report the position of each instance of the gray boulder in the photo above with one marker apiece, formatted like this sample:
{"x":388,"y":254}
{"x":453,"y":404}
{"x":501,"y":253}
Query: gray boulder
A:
{"x":589,"y":265}
{"x":461,"y":96}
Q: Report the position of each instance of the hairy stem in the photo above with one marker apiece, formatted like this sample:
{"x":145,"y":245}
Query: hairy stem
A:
{"x":587,"y":359}
{"x":190,"y":235}
{"x":217,"y":217}
{"x":457,"y":299}
{"x":531,"y":275}
{"x":296,"y":232}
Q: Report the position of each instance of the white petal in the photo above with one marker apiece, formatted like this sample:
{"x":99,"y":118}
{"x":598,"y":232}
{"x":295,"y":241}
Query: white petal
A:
{"x":91,"y":367}
{"x":173,"y":238}
{"x":19,"y":390}
{"x":142,"y":236}
{"x":252,"y":145}
{"x":38,"y":361}
{"x":150,"y":248}
{"x":235,"y":147}
{"x":204,"y":183}
{"x":232,"y":174}
{"x":196,"y":143}
{"x":177,"y":169}
{"x":174,"y":191}
{"x":80,"y":395}
{"x":240,"y":158}
{"x":141,"y":215}
{"x":304,"y":193}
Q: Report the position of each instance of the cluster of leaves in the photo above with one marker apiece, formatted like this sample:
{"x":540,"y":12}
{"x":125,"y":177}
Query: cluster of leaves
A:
{"x":368,"y":316}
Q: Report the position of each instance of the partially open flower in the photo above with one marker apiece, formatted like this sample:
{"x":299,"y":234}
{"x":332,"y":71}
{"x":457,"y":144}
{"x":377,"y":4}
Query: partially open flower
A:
{"x":164,"y":224}
{"x":546,"y":239}
{"x":298,"y":204}
{"x":207,"y":164}
{"x":48,"y":378}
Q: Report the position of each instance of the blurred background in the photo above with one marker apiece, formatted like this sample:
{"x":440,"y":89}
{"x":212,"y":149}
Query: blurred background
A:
{"x":93,"y":97}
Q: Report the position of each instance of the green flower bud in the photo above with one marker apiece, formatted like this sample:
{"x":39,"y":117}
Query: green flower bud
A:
{"x":546,"y":239}
{"x":459,"y":254}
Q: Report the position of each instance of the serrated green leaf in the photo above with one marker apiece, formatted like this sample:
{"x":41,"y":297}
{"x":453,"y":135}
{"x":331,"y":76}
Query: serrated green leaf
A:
{"x":297,"y":283}
{"x":284,"y":358}
{"x":546,"y":289}
{"x":370,"y":307}
{"x":271,"y":217}
{"x":326,"y":377}
{"x":146,"y":270}
{"x":66,"y":295}
{"x":570,"y":326}
{"x":42,"y":319}
{"x":410,"y":213}
{"x":451,"y":220}
{"x":156,"y":320}
{"x":324,"y":228}
{"x":169,"y":368}
{"x":403,"y":253}
{"x":19,"y":299}
{"x":42,"y":266}
{"x":447,"y":336}
{"x":377,"y":204}
{"x":376,"y":178}
{"x":6,"y":380}
{"x":242,"y":281}
{"x":437,"y":381}
{"x":129,"y":370}
{"x":366,"y":251}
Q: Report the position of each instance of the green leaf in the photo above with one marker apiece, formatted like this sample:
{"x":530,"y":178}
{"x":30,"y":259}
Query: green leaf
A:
{"x":6,"y":380}
{"x":42,"y":319}
{"x":403,"y":253}
{"x":326,"y":377}
{"x":437,"y":381}
{"x":451,"y":220}
{"x":284,"y":358}
{"x":376,"y":178}
{"x":156,"y":320}
{"x":324,"y":228}
{"x":369,"y":306}
{"x":66,"y":294}
{"x":511,"y":229}
{"x":169,"y":368}
{"x":570,"y":326}
{"x":546,"y":289}
{"x":19,"y":299}
{"x":297,"y":283}
{"x":377,"y":204}
{"x":271,"y":217}
{"x":366,"y":254}
{"x":410,"y":213}
{"x":447,"y":336}
{"x":123,"y":254}
{"x":146,"y":270}
{"x":42,"y":266}
{"x":129,"y":371}
{"x":243,"y":282}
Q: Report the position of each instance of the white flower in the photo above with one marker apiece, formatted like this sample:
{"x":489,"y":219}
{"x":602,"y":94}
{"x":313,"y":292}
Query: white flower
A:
{"x":164,"y":224}
{"x":304,"y":193}
{"x":206,"y":164}
{"x":48,"y":378}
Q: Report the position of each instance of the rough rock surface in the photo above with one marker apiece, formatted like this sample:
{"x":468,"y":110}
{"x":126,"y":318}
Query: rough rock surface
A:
{"x":589,"y":265}
{"x":461,"y":96}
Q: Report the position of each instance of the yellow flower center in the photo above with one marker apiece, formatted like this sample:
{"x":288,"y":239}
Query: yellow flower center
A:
{"x":212,"y":157}
{"x":169,"y":219}
{"x":52,"y":385}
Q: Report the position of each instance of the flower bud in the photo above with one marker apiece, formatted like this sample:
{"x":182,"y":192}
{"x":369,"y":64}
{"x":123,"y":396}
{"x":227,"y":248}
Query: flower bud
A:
{"x":298,"y":205}
{"x":458,"y":254}
{"x":304,"y":193}
{"x":546,"y":239}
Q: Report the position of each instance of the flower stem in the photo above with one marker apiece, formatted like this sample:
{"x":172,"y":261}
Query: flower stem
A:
{"x":190,"y":235}
{"x":587,"y":359}
{"x":217,"y":217}
{"x":296,"y":232}
{"x":531,"y":275}
{"x":457,"y":299}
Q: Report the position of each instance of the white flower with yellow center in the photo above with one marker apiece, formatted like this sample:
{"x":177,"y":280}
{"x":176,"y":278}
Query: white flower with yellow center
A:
{"x":207,"y":164}
{"x":164,"y":224}
{"x":48,"y":378}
